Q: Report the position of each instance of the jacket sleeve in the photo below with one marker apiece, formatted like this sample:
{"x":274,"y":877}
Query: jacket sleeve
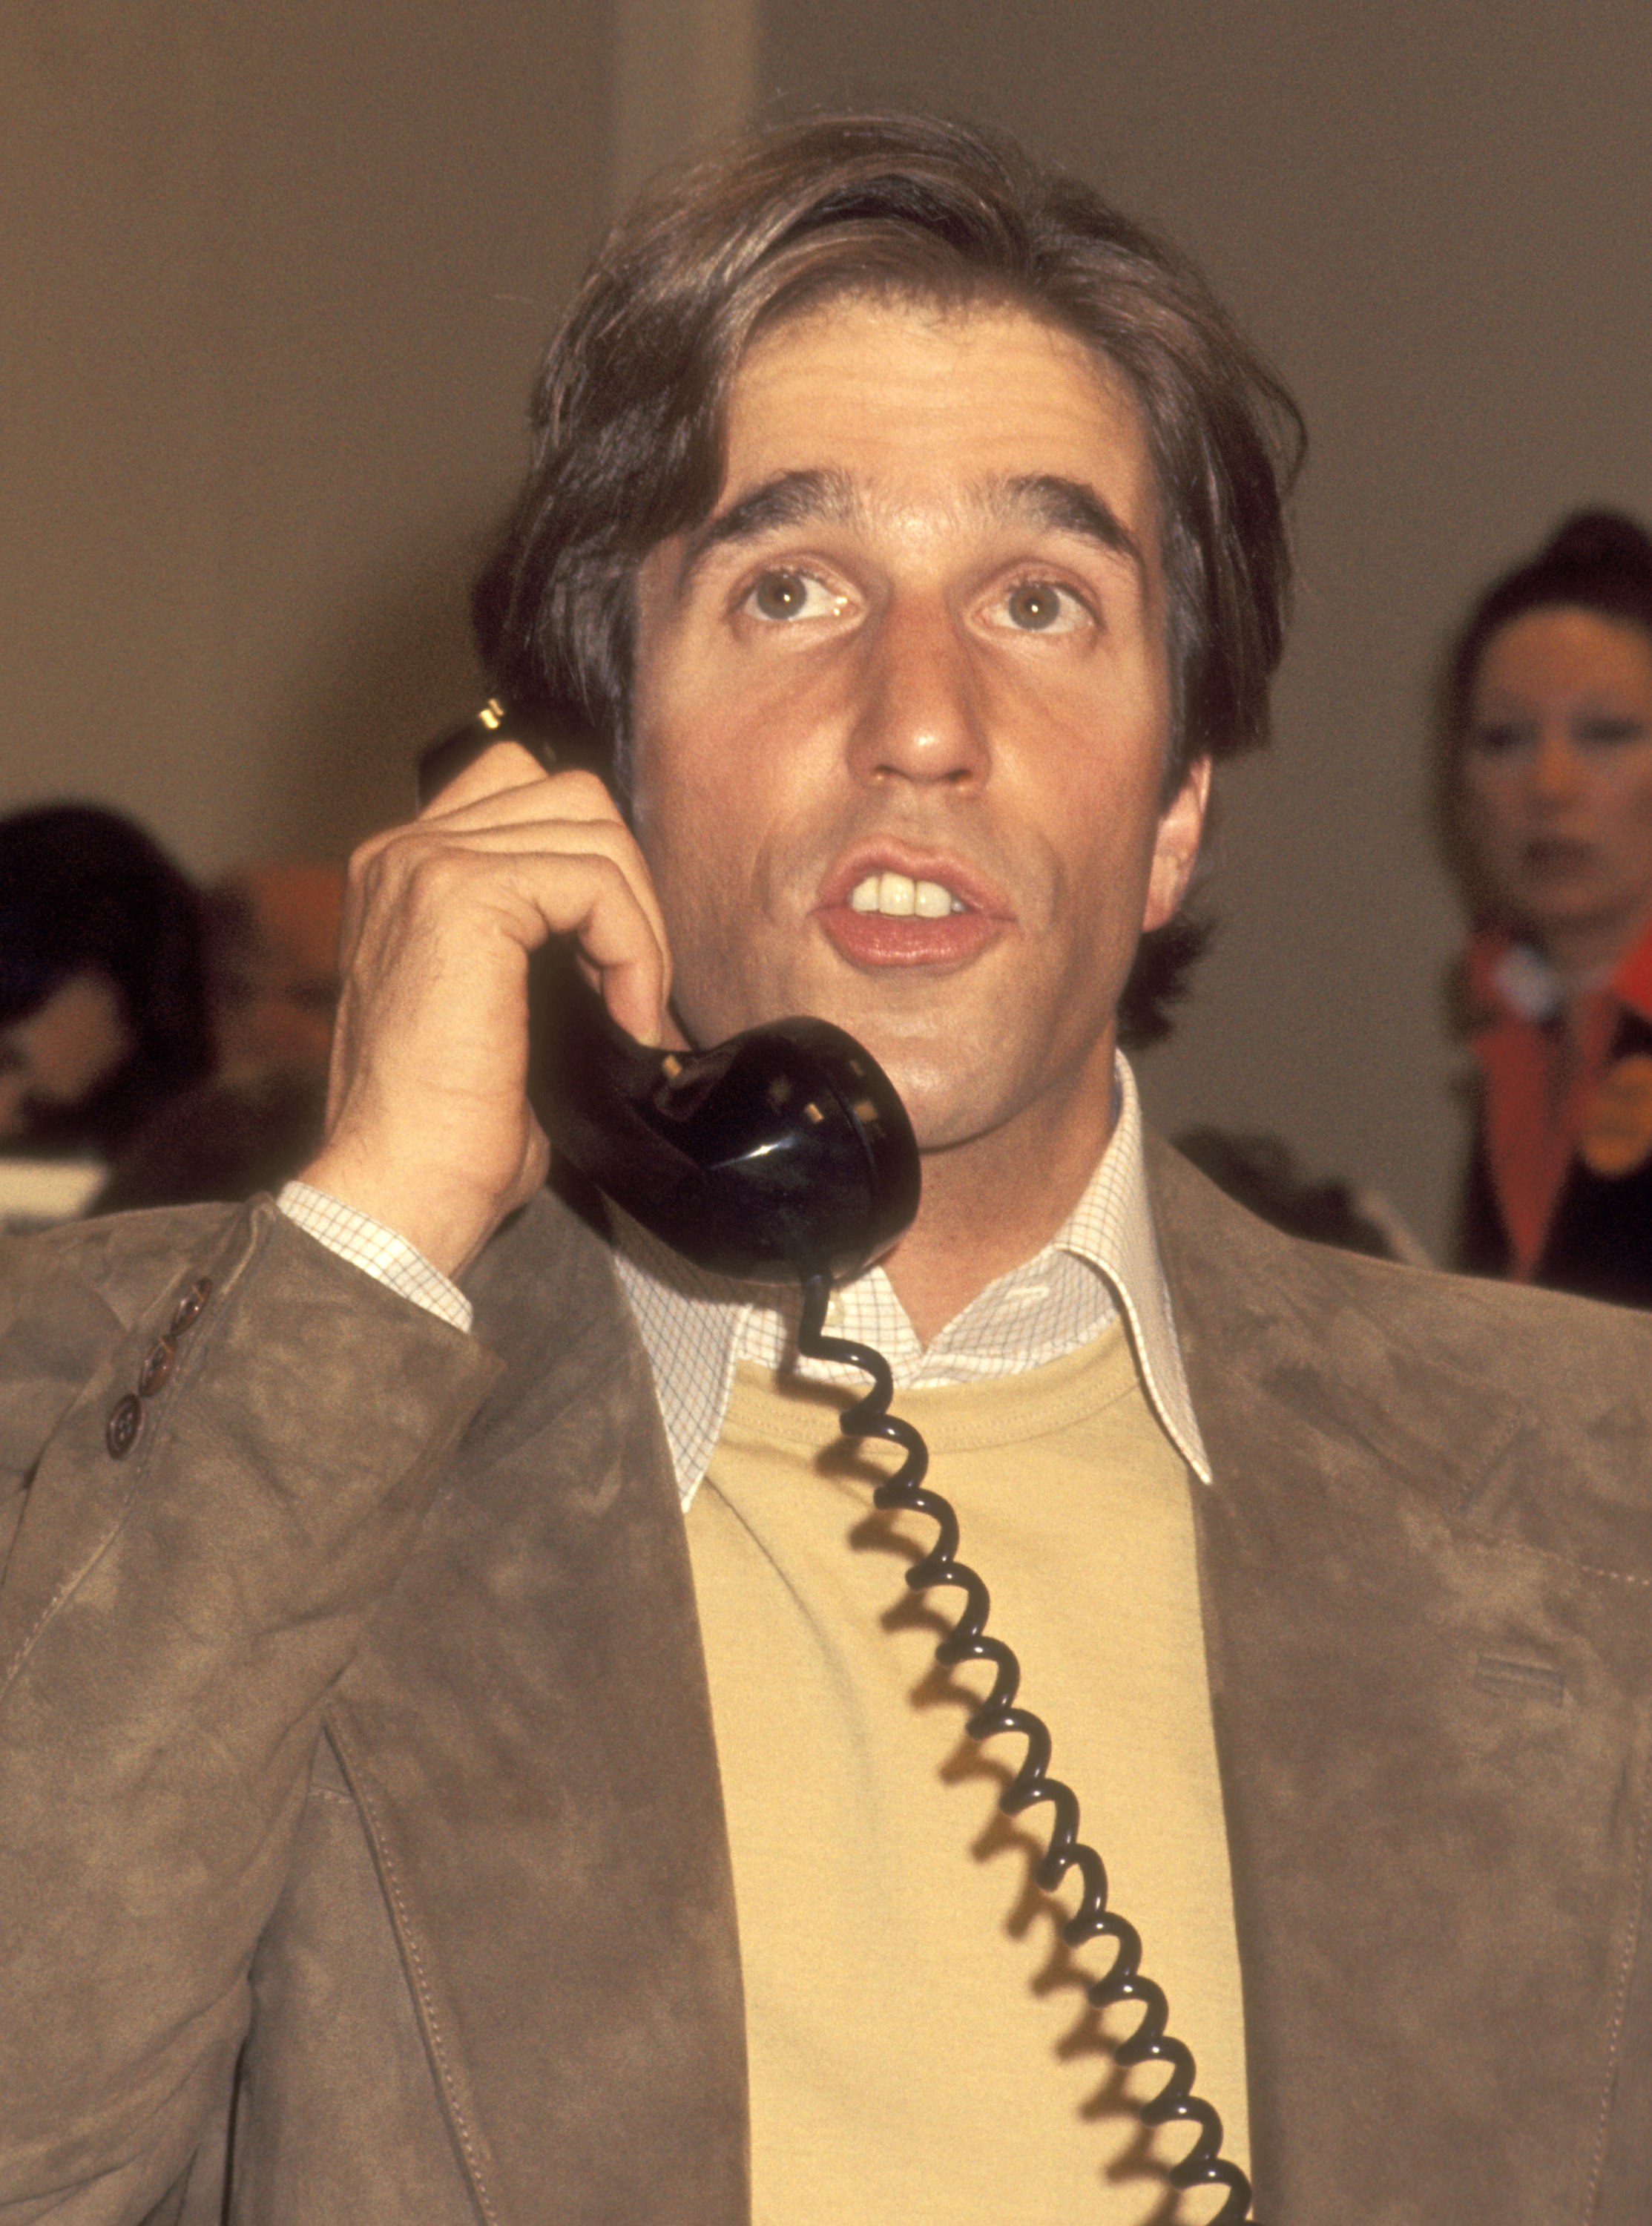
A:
{"x":217,"y":1443}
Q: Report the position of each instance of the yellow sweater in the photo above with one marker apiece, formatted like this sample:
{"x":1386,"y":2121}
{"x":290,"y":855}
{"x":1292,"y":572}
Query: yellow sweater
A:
{"x":921,"y":2049}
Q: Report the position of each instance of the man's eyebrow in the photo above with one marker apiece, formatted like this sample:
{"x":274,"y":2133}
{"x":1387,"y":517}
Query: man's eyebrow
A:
{"x":1067,"y":506}
{"x":829,"y":497}
{"x":790,"y":499}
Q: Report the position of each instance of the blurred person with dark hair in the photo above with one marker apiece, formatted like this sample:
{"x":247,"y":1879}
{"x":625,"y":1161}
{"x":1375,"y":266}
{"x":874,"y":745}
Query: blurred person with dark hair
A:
{"x":103,"y":1003}
{"x":1547,"y":759}
{"x":180,"y":1037}
{"x":272,"y":939}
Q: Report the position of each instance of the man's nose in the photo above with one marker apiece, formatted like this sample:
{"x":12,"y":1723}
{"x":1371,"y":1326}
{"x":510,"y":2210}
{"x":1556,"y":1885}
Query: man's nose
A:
{"x":921,"y":715}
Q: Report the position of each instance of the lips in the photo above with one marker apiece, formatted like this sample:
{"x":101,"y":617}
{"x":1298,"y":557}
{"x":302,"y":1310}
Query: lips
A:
{"x":888,"y":906}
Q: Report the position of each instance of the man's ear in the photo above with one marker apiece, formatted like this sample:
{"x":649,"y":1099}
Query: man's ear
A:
{"x":1176,"y":846}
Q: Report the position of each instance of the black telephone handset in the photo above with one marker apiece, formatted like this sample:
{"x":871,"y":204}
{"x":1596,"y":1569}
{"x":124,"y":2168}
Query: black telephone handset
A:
{"x":785,"y":1151}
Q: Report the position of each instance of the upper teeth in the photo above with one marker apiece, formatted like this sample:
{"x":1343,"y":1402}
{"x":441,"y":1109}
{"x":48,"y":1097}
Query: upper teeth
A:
{"x":898,"y":896}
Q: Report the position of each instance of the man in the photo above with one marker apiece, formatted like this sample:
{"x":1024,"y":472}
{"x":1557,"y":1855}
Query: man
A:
{"x":909,"y":527}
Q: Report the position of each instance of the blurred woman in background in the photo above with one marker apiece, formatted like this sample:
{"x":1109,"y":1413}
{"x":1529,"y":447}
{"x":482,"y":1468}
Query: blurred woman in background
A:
{"x":104,"y":1002}
{"x":1547,"y":733}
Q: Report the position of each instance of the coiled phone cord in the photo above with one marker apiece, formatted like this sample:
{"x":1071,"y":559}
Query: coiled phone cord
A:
{"x":869,"y":1417}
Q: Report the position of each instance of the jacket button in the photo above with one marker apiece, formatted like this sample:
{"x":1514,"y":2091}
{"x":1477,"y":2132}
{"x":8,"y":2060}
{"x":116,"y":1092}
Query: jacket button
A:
{"x":191,"y":1306}
{"x":125,"y":1421}
{"x":156,"y":1368}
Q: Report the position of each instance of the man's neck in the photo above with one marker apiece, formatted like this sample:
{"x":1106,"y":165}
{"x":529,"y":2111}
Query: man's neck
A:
{"x":988,"y":1205}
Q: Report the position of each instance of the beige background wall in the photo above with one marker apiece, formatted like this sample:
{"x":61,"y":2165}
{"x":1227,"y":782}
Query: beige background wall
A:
{"x":276,"y":279}
{"x":275,"y":282}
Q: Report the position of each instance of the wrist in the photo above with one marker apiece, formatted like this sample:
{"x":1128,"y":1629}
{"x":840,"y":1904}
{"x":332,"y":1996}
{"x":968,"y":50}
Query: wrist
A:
{"x":379,"y":1251}
{"x":446,"y":1221}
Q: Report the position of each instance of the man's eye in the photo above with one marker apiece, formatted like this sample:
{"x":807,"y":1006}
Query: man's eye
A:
{"x":791,"y":596}
{"x":1040,"y":606}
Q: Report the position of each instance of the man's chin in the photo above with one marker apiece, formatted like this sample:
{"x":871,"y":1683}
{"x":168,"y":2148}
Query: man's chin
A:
{"x":945,"y":1115}
{"x":962,"y":1094}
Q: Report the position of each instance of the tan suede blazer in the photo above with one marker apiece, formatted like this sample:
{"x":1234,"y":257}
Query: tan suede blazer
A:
{"x":361,"y":1853}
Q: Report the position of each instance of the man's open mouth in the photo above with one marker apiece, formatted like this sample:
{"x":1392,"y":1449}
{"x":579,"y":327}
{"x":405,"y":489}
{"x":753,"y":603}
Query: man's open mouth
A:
{"x":898,"y":896}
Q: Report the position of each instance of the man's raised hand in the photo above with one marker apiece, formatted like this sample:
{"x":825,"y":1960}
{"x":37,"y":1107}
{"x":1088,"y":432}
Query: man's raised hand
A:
{"x":429,"y":1127}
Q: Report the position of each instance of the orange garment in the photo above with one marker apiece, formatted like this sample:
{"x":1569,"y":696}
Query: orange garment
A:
{"x":1541,"y":1078}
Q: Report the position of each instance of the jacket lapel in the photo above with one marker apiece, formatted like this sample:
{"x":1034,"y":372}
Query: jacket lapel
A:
{"x":527,"y":1730}
{"x":1431,"y":1713}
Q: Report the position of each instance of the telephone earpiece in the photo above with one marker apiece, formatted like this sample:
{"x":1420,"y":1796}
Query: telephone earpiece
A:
{"x":785,"y":1151}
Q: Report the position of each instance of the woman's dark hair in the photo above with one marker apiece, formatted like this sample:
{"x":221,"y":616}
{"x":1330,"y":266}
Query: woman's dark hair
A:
{"x":1597,"y":560}
{"x":629,"y":412}
{"x":83,"y":890}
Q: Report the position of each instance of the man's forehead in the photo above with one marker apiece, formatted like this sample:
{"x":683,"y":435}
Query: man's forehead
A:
{"x":880,"y":326}
{"x":999,"y":414}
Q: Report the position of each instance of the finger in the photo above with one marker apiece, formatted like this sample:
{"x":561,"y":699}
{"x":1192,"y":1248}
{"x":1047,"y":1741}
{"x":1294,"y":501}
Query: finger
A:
{"x":575,"y":795}
{"x":585,"y":878}
{"x":534,"y":852}
{"x":624,"y":953}
{"x":501,"y":766}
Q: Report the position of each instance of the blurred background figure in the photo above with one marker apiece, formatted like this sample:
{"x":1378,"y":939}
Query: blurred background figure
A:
{"x":158,"y":1045}
{"x":272,"y":942}
{"x":105,"y":1014}
{"x":273,"y":938}
{"x":1547,"y":733}
{"x":1264,"y":1172}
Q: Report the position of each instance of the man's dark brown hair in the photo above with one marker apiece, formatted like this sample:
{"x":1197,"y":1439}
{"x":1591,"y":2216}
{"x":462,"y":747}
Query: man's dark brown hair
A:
{"x":629,"y":411}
